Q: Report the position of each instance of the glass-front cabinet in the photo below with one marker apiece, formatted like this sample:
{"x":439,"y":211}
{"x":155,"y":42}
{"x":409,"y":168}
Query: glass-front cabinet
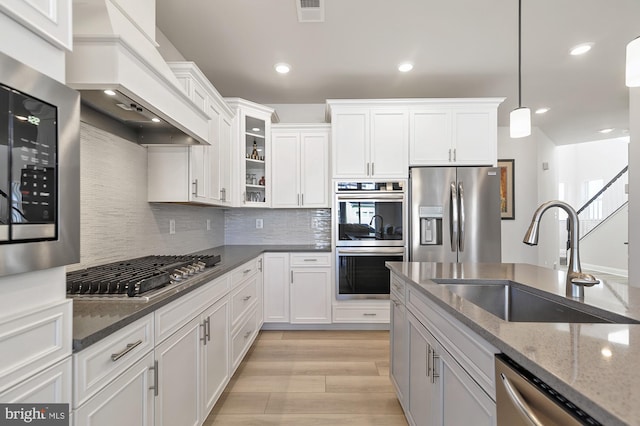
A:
{"x":253,"y":151}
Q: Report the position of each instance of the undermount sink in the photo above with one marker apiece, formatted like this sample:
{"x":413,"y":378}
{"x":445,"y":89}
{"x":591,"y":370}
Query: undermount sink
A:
{"x":516,"y":305}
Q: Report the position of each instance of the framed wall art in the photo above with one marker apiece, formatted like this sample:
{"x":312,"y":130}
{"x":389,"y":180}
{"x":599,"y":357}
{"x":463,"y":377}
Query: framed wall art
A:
{"x":507,"y":173}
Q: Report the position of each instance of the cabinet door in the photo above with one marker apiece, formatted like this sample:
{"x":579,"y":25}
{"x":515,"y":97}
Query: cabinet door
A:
{"x":224,"y":162}
{"x":350,"y":139}
{"x":475,"y":137}
{"x":178,"y":358}
{"x":215,"y":359}
{"x":212,"y":165}
{"x":430,"y":137}
{"x":310,"y":295}
{"x":399,"y":368}
{"x":276,"y":287}
{"x":128,"y":400}
{"x":423,"y":405}
{"x":389,"y":154}
{"x":460,"y":390}
{"x":197,"y":159}
{"x":285,"y":172}
{"x":314,"y":169}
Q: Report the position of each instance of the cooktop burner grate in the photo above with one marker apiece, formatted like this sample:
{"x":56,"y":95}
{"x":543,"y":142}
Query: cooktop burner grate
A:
{"x":137,"y":276}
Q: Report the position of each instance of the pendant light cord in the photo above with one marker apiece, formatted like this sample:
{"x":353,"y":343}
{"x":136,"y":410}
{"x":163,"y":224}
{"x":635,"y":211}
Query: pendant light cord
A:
{"x":519,"y":53}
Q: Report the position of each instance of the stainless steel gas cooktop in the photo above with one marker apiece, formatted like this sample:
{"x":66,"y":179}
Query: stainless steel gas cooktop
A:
{"x":137,"y":279}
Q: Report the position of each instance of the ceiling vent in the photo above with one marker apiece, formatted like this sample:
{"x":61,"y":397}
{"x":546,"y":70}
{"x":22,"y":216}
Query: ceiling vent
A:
{"x":310,"y":10}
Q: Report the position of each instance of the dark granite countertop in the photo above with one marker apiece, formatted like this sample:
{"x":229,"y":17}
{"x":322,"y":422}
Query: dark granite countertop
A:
{"x":94,"y":320}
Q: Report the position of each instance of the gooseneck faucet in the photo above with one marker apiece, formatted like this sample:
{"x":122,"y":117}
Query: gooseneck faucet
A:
{"x":576,"y":279}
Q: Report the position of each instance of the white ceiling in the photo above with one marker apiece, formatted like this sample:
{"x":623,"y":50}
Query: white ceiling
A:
{"x":460,"y":48}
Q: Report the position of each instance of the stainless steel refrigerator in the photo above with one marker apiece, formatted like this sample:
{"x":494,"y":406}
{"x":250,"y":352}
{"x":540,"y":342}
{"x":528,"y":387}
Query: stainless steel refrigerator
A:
{"x":455,"y":214}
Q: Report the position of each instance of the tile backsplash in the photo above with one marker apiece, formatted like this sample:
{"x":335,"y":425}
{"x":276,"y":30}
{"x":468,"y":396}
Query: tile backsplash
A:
{"x":279,"y":226}
{"x":117,"y":222}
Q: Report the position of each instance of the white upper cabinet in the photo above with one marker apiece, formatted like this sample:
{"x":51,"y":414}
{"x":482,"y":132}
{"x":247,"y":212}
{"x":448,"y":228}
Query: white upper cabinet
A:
{"x":198,"y":173}
{"x":50,"y":19}
{"x":369,"y":139}
{"x":458,"y":132}
{"x":300,"y":166}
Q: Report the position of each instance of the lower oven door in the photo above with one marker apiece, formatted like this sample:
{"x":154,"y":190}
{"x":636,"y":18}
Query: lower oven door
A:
{"x":360,"y":271}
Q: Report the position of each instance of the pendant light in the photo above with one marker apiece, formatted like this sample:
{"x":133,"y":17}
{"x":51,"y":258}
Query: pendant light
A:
{"x":633,"y":63}
{"x":520,"y":118}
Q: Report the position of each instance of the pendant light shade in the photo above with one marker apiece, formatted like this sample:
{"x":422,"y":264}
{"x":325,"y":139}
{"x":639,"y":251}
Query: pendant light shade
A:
{"x":520,"y":122}
{"x":520,"y":118}
{"x":633,"y":63}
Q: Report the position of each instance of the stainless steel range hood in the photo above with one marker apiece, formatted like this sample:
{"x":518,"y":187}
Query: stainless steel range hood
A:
{"x":112,"y":52}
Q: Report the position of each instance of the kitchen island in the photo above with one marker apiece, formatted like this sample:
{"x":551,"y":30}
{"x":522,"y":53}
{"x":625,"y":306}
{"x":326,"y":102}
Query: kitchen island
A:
{"x":95,"y":320}
{"x":593,"y":365}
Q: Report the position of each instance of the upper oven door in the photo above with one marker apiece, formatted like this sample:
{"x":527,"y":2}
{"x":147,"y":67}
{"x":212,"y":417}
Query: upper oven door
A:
{"x":370,"y":220}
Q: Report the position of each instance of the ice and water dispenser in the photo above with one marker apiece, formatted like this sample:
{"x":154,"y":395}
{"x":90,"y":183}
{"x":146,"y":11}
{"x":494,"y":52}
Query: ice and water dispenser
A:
{"x":430,"y":225}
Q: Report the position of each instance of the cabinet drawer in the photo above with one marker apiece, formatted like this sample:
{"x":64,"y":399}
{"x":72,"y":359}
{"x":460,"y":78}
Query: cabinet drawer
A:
{"x":470,"y":350}
{"x":101,"y":362}
{"x":169,"y":318}
{"x":363,"y":314}
{"x":398,"y":287}
{"x":243,"y":298}
{"x":243,"y":338}
{"x":34,"y":341}
{"x":243,"y":272}
{"x":52,"y":385}
{"x":310,"y":259}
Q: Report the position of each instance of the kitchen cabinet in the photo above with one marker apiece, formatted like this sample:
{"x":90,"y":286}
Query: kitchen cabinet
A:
{"x":297,"y":288}
{"x":449,"y":366}
{"x":300,"y":166}
{"x":460,"y":132}
{"x":34,"y":341}
{"x":369,"y":139}
{"x":251,"y":136}
{"x":215,"y":356}
{"x":52,"y":385}
{"x":198,"y":174}
{"x":50,"y":19}
{"x":399,"y":357}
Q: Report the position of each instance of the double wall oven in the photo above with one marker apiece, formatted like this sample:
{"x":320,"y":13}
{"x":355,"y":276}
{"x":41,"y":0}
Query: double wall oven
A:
{"x":369,"y":230}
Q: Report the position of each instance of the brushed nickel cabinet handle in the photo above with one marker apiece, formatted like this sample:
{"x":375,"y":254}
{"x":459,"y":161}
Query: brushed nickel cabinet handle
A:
{"x":129,"y":348}
{"x":366,"y":314}
{"x":155,"y":386}
{"x":434,"y":357}
{"x":195,"y":187}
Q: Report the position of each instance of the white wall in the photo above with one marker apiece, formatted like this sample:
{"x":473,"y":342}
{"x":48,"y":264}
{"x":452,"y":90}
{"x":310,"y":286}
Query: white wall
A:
{"x":634,"y":187}
{"x":548,"y":252}
{"x":603,"y":249}
{"x":167,"y":50}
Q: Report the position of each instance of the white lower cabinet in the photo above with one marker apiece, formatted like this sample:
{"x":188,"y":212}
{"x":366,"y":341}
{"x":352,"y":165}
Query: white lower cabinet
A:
{"x":445,"y":385}
{"x":170,"y":367}
{"x":128,"y":400}
{"x":297,"y":288}
{"x":50,"y":385}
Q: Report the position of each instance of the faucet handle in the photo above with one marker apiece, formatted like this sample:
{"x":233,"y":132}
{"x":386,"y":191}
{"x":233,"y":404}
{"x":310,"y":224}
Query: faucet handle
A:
{"x":583,"y":279}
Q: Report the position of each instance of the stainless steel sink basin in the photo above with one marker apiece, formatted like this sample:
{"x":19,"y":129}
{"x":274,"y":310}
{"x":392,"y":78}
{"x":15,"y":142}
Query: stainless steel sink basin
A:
{"x":514,"y":304}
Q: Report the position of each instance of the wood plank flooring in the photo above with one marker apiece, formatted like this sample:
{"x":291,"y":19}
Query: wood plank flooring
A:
{"x":319,"y":378}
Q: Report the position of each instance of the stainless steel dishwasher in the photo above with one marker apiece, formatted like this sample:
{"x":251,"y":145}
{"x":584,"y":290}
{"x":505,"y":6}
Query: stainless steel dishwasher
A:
{"x":523,"y":399}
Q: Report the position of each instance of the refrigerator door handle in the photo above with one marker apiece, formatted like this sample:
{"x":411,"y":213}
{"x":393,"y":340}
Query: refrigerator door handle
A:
{"x":453,"y":217}
{"x":461,"y":215}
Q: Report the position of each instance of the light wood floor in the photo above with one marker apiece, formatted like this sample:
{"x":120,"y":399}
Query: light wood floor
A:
{"x":319,"y":378}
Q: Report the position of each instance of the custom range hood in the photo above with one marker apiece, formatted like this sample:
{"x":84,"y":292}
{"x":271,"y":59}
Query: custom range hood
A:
{"x":126,"y":87}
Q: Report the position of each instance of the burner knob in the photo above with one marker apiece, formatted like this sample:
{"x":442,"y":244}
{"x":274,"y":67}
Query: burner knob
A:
{"x":201,"y":265}
{"x":176,"y":276}
{"x":185,"y":271}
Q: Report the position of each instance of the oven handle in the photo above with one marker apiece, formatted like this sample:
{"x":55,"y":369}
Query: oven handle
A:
{"x":371,"y":250}
{"x":360,"y":196}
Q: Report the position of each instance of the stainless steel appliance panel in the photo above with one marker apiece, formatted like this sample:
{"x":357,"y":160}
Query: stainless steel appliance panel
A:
{"x":53,"y":242}
{"x":522,"y":399}
{"x":454,"y":214}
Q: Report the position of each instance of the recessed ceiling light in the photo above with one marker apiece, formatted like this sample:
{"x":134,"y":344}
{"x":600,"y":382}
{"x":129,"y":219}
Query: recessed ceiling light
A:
{"x":155,"y":120}
{"x":580,"y":49}
{"x":256,"y":129}
{"x":282,"y":68}
{"x":110,"y":92}
{"x":542,"y":110}
{"x":607,"y":130}
{"x":405,"y":67}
